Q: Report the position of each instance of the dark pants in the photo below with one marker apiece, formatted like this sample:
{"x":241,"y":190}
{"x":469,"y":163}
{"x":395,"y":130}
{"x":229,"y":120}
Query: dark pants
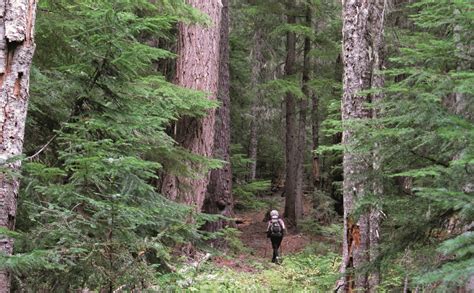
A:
{"x":276,"y":242}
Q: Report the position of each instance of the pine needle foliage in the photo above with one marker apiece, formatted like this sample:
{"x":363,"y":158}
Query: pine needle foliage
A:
{"x":424,"y":136}
{"x":89,"y":213}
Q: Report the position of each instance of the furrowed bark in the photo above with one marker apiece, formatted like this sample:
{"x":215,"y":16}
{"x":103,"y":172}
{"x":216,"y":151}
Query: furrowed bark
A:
{"x":197,"y":68}
{"x":357,"y":75}
{"x":303,"y":107}
{"x":291,"y":211}
{"x":219,"y":191}
{"x":17,"y":46}
{"x":362,"y":51}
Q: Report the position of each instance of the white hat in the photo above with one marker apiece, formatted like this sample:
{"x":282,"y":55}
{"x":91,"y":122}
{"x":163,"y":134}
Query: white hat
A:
{"x":274,"y":214}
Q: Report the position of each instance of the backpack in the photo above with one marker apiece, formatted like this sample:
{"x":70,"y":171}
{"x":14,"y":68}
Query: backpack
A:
{"x":276,"y":230}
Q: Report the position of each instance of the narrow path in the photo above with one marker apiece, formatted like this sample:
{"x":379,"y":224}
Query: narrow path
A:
{"x":257,"y":246}
{"x":254,"y":236}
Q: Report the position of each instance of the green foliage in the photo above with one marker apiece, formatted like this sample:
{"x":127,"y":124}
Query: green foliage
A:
{"x":323,"y":211}
{"x":234,"y":244}
{"x":424,"y":137}
{"x":240,"y":162}
{"x":299,"y":273}
{"x":89,"y":213}
{"x":280,"y":87}
{"x":454,"y":272}
{"x":246,"y":194}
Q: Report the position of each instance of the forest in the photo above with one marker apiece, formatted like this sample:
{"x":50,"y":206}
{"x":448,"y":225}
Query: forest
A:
{"x":236,"y":146}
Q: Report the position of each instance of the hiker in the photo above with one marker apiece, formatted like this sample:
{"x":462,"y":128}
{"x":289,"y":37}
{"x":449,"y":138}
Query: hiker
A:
{"x":275,"y":231}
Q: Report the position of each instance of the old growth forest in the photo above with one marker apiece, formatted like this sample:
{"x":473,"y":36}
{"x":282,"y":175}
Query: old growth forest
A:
{"x":143,"y":144}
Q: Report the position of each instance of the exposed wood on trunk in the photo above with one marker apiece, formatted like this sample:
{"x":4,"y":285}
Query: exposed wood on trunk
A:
{"x":17,"y":46}
{"x":358,"y":47}
{"x":292,"y":209}
{"x":219,"y":191}
{"x":363,"y":58}
{"x":197,"y":68}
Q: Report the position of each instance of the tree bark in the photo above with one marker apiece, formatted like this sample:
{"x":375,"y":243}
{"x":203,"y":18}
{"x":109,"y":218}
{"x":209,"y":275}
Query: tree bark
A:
{"x":303,"y":106}
{"x":17,"y":46}
{"x":219,"y":191}
{"x":257,"y":60}
{"x":362,"y":44}
{"x":197,"y":68}
{"x":291,"y":208}
{"x":315,"y":166}
{"x":357,"y":77}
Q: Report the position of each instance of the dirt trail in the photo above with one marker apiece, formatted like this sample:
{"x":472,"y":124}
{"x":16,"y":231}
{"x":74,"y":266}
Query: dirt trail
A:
{"x":254,"y":235}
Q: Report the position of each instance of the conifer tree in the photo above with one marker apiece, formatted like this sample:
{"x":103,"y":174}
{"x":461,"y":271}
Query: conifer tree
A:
{"x":89,"y":212}
{"x":424,"y":144}
{"x":363,"y":26}
{"x":257,"y":64}
{"x":219,"y":198}
{"x":197,"y":68}
{"x":293,"y":203}
{"x":303,"y":109}
{"x":17,"y":46}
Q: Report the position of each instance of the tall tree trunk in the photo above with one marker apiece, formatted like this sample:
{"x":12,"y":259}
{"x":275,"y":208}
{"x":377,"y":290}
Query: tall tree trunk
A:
{"x":377,"y":22}
{"x":257,"y":60}
{"x":362,"y":42}
{"x":197,"y":68}
{"x":303,"y":106}
{"x":357,"y":75}
{"x":17,"y":46}
{"x":253,"y":142}
{"x":315,"y":166}
{"x":219,"y":191}
{"x":291,"y":208}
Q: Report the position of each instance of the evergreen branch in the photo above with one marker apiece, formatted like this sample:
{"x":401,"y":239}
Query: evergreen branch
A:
{"x":437,"y":162}
{"x":42,"y":148}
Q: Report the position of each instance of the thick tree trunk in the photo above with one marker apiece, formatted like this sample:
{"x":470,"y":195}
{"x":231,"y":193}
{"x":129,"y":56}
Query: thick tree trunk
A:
{"x":219,"y":191}
{"x":291,"y":203}
{"x":197,"y":68}
{"x":357,"y":75}
{"x":257,"y":60}
{"x":303,"y":106}
{"x":362,"y":26}
{"x":17,"y":19}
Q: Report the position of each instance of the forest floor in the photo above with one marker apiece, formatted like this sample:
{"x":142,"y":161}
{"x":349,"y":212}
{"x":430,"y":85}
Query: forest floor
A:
{"x":310,"y":258}
{"x":257,"y":247}
{"x":254,"y":228}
